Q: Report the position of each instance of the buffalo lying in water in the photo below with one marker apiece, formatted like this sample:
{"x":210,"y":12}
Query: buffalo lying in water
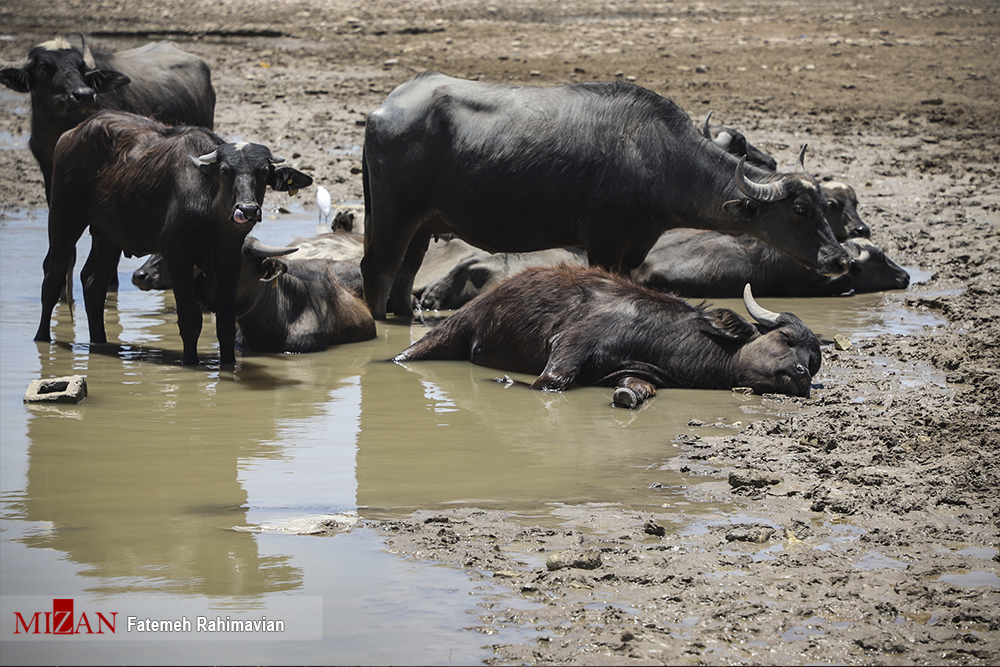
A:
{"x":585,"y":326}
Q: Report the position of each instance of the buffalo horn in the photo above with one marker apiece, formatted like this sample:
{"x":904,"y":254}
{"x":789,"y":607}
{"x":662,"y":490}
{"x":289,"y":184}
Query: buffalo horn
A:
{"x":705,"y":129}
{"x":88,"y":56}
{"x":254,"y":248}
{"x":208,"y":158}
{"x":758,"y":312}
{"x":276,"y":160}
{"x":756,"y":191}
{"x":863,"y":250}
{"x":802,"y":157}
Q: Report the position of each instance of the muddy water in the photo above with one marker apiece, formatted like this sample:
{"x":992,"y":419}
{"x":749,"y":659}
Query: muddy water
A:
{"x":130,"y":499}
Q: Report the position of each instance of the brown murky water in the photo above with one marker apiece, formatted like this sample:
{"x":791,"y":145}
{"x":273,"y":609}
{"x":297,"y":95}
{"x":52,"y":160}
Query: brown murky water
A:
{"x":130,"y":499}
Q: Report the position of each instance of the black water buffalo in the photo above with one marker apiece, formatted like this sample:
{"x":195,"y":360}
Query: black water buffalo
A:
{"x":68,"y":84}
{"x":454,"y":272}
{"x":842,"y":201}
{"x":735,"y":143}
{"x":586,"y":326}
{"x":144,"y":187}
{"x":603,"y":166}
{"x":697,"y":263}
{"x":295,"y":305}
{"x":341,"y":248}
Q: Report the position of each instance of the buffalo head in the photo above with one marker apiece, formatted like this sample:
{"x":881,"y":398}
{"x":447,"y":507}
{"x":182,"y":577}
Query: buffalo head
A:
{"x":781,"y":356}
{"x":62,"y":79}
{"x":842,"y":212}
{"x":243,"y":170}
{"x":790,"y":211}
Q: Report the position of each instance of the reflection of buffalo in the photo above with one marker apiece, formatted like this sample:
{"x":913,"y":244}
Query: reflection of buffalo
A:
{"x":584,"y":326}
{"x":697,"y":263}
{"x":521,"y":168}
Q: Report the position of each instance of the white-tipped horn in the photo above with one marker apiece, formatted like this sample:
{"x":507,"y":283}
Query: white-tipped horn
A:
{"x":208,"y":158}
{"x":756,"y":191}
{"x":757,"y":311}
{"x":88,"y":55}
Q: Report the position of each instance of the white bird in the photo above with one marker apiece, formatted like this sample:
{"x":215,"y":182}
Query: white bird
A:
{"x":323,"y":201}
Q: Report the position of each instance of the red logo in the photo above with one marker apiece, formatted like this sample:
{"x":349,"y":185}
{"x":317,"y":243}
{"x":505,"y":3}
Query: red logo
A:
{"x":62,"y":621}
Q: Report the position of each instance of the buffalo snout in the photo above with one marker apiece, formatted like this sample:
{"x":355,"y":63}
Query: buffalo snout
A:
{"x":246,"y":213}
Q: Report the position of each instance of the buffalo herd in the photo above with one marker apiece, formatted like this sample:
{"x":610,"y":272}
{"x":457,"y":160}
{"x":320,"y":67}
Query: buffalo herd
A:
{"x":562,"y":224}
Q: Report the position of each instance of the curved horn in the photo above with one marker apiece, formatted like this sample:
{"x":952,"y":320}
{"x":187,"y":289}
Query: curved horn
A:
{"x":706,"y":132}
{"x":756,"y":191}
{"x":208,"y":158}
{"x":862,"y":249}
{"x":802,"y":157}
{"x":88,"y":55}
{"x":254,"y":248}
{"x":758,"y":312}
{"x":275,"y":159}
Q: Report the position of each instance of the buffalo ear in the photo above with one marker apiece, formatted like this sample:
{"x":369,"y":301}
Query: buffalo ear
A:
{"x":744,"y":209}
{"x":271,"y":268}
{"x":727,"y":324}
{"x":106,"y":80}
{"x":287,"y":179}
{"x":16,"y":78}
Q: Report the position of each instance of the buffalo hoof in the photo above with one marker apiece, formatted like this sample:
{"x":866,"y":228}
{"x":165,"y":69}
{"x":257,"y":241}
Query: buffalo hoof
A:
{"x":626,"y":398}
{"x":69,"y":389}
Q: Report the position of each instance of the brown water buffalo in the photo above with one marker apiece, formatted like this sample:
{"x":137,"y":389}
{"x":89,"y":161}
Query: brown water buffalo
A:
{"x":68,"y":84}
{"x":144,"y":187}
{"x":586,"y":326}
{"x":697,"y":263}
{"x":603,"y":166}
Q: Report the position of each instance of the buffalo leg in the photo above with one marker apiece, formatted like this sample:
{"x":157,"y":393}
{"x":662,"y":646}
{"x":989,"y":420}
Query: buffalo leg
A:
{"x":56,"y":265}
{"x":189,"y":318}
{"x":388,"y":233}
{"x":401,"y":295}
{"x":100,"y":267}
{"x":631,"y":392}
{"x":225,"y":283}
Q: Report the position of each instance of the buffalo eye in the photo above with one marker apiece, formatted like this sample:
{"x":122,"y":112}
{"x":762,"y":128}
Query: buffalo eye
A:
{"x":832,"y":204}
{"x":800,"y":210}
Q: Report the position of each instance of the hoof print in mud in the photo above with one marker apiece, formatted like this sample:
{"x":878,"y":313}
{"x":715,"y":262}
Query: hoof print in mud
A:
{"x":68,"y":389}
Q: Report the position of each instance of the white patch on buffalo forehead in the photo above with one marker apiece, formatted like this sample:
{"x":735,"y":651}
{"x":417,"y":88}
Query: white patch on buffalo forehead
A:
{"x":240,"y":145}
{"x":57,"y":44}
{"x":836,"y":184}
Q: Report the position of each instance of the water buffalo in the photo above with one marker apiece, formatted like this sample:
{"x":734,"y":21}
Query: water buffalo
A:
{"x":586,"y":326}
{"x":697,"y":263}
{"x":144,"y":187}
{"x":454,"y":272}
{"x":603,"y":166}
{"x":342,"y":249}
{"x":68,"y":84}
{"x":295,"y":305}
{"x":842,"y":201}
{"x":735,"y":142}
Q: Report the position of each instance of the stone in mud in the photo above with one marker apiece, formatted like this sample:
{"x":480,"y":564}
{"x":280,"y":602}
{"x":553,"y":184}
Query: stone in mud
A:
{"x":580,"y":559}
{"x":68,"y":389}
{"x":841,"y":342}
{"x":757,"y":534}
{"x":754,"y":478}
{"x":653,"y":528}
